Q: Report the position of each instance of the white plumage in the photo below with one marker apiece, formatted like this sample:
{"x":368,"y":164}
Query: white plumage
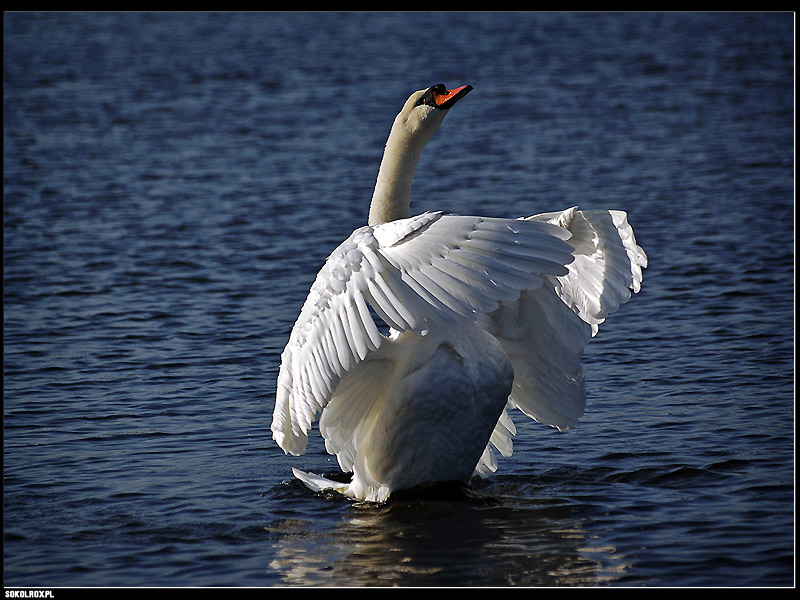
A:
{"x":486,"y":314}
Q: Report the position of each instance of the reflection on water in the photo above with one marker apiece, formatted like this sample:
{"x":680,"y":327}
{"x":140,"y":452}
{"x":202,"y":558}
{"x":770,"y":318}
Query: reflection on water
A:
{"x":451,"y":539}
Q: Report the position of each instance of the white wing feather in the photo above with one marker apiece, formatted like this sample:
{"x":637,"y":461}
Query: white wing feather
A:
{"x":545,"y":331}
{"x":412,"y":272}
{"x":608,"y":262}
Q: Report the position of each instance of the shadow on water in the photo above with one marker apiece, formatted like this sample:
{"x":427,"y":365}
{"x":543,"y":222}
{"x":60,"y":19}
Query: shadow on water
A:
{"x":443,"y":535}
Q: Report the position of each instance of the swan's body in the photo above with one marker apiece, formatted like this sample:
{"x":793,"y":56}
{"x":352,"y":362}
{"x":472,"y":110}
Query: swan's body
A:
{"x":485,"y":314}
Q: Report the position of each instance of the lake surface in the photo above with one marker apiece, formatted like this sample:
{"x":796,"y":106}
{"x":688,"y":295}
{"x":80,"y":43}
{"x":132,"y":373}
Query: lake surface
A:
{"x":172,"y":184}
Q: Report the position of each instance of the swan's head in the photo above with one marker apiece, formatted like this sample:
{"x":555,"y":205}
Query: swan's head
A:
{"x":424,"y":110}
{"x":413,"y":127}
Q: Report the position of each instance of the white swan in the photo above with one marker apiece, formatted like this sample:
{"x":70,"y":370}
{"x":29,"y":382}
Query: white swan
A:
{"x":486,"y":314}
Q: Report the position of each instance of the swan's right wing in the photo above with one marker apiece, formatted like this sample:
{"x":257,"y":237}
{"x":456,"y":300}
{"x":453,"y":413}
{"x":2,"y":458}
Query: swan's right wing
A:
{"x":608,"y":263}
{"x":545,"y":331}
{"x":412,"y":272}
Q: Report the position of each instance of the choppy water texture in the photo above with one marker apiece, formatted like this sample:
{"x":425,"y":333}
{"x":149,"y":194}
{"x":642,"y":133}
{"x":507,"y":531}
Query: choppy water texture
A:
{"x":174,"y":181}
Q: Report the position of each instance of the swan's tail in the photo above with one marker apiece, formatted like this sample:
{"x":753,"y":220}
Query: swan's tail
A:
{"x":354,"y":489}
{"x":317,"y":483}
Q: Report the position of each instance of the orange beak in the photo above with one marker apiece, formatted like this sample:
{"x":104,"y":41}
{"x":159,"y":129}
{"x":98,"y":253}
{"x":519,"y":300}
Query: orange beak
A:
{"x":450,"y":97}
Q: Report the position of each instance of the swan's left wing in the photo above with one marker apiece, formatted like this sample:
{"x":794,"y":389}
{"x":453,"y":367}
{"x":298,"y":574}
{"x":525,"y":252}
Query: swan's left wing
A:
{"x":412,"y":272}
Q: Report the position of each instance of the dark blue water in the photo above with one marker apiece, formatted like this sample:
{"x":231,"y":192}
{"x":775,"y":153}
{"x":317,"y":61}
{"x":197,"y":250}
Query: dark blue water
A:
{"x":172,"y":183}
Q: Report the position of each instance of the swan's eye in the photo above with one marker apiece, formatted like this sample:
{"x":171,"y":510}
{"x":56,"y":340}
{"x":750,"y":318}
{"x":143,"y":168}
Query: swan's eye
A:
{"x":426,"y":98}
{"x":429,"y":96}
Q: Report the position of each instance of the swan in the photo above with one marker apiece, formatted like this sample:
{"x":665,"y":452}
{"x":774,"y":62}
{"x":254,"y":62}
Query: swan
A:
{"x":484,"y":315}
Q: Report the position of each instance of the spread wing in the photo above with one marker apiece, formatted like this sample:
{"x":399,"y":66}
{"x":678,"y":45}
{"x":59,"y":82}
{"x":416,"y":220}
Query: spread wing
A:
{"x":545,"y":330}
{"x":412,"y":273}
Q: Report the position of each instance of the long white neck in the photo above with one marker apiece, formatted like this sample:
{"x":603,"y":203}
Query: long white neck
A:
{"x":391,"y":199}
